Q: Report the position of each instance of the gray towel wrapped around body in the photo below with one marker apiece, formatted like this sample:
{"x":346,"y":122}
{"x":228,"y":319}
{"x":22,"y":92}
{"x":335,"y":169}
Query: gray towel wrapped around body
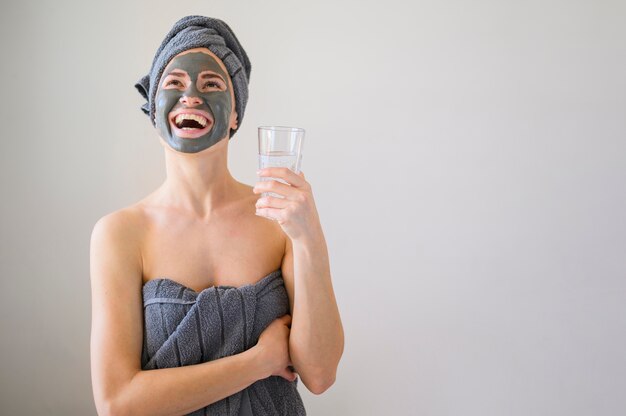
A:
{"x":184,"y":327}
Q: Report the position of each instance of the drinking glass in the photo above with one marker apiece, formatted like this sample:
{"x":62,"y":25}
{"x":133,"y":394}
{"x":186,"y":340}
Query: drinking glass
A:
{"x":280,"y":146}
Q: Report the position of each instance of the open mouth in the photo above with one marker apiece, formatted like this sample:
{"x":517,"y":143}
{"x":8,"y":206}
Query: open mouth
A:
{"x":190,"y":124}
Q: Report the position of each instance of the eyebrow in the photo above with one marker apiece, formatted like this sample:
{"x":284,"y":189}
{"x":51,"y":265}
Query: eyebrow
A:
{"x":178,"y":73}
{"x":205,"y":75}
{"x":211,"y":75}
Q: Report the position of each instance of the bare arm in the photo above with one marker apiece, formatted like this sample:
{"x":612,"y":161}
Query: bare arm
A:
{"x":317,"y":340}
{"x":120,"y":386}
{"x":182,"y":390}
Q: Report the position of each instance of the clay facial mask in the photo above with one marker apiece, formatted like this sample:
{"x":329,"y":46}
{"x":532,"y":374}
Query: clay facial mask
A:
{"x":193,"y":103}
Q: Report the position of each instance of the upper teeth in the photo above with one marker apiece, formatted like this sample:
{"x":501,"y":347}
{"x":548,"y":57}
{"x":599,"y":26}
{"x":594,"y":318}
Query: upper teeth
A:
{"x":186,"y":116}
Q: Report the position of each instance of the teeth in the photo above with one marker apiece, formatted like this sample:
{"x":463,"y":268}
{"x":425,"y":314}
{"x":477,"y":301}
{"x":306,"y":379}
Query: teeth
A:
{"x":186,"y":116}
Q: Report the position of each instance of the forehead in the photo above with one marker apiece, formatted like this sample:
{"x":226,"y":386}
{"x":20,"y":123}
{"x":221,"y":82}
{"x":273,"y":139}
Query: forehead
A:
{"x":196,"y":60}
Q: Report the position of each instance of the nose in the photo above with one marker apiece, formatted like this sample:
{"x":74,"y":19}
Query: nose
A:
{"x":190,"y":101}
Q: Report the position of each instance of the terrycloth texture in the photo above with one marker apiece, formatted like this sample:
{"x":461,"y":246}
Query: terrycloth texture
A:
{"x":185,"y":327}
{"x":246,"y":408}
{"x":194,"y":32}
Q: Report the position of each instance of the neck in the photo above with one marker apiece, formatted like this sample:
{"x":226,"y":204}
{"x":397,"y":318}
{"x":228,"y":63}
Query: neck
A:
{"x":198,"y":183}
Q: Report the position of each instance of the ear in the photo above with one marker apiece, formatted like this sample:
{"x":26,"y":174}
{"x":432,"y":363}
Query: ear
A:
{"x":234,"y":120}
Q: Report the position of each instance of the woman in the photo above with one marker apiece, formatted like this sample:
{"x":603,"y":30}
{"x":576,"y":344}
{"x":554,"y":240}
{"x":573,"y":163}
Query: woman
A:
{"x":198,"y":304}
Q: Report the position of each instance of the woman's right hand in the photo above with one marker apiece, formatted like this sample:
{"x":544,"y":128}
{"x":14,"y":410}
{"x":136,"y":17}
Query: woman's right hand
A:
{"x":273,"y":348}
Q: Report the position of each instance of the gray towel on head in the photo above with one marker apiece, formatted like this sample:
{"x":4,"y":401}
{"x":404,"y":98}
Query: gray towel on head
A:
{"x":184,"y":327}
{"x":194,"y":32}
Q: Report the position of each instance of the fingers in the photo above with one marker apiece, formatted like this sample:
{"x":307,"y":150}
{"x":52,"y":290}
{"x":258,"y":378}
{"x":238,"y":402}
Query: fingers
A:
{"x":288,"y":191}
{"x":274,"y":214}
{"x":288,"y":375}
{"x":285,"y":173}
{"x":272,"y":202}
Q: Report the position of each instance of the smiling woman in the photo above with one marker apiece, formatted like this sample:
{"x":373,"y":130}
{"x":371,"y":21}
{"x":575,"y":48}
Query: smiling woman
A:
{"x":194,"y":302}
{"x":179,"y":79}
{"x":193,"y":101}
{"x":188,"y":119}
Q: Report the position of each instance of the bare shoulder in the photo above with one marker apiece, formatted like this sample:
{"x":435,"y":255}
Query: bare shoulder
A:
{"x":123,"y":226}
{"x":117,"y":236}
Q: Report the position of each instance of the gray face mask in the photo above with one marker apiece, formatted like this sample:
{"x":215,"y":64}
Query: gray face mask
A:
{"x":207,"y":98}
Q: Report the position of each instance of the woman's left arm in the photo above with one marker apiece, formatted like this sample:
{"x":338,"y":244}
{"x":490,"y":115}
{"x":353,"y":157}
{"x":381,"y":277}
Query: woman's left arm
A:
{"x":316,"y":340}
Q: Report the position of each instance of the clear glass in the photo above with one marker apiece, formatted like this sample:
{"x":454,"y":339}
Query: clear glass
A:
{"x":280,"y":146}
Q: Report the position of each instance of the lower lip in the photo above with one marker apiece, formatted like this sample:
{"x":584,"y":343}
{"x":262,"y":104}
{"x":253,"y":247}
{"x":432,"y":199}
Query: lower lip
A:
{"x":191,"y":134}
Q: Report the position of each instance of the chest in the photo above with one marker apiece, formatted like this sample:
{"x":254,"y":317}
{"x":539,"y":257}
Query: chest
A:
{"x":229,"y":250}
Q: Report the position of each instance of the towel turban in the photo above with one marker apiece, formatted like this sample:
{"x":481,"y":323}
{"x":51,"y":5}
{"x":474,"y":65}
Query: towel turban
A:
{"x":195,"y":32}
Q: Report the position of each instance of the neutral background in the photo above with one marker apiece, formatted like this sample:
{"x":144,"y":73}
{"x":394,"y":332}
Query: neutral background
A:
{"x":468,"y":161}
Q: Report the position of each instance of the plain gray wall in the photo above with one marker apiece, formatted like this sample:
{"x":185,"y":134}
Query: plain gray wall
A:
{"x":468,"y":161}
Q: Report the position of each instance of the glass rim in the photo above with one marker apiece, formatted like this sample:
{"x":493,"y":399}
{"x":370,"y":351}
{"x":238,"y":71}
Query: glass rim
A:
{"x":282,"y":128}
